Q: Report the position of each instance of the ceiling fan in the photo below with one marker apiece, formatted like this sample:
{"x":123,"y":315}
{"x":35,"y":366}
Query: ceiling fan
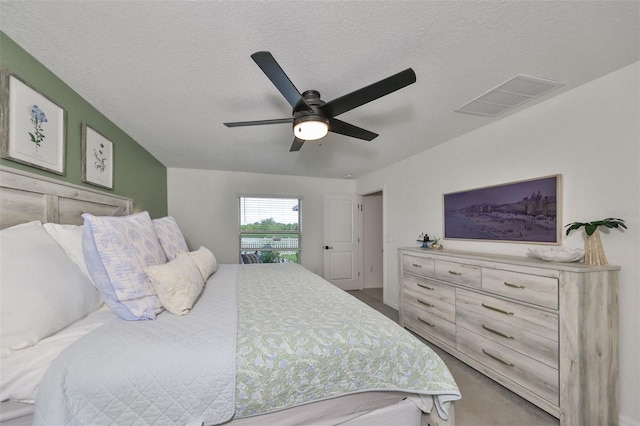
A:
{"x":312,"y":118}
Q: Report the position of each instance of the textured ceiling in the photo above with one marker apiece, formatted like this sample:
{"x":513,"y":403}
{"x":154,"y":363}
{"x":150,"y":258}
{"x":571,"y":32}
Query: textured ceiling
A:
{"x":169,"y":73}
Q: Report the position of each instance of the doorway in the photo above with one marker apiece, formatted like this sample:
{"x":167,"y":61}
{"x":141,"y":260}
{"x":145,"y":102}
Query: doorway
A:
{"x":372,"y":244}
{"x":353,"y":242}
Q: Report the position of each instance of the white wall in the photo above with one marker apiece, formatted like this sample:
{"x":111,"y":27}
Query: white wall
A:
{"x":591,"y":135}
{"x":205,"y":205}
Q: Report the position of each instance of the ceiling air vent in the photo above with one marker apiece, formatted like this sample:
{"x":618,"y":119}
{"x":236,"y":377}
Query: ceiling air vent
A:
{"x":508,"y":95}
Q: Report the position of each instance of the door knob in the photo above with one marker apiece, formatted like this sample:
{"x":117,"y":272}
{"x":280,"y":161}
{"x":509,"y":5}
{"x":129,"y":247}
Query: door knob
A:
{"x":327,"y":247}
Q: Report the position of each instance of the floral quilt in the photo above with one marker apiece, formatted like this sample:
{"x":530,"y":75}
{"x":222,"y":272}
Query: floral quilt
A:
{"x":300,"y":339}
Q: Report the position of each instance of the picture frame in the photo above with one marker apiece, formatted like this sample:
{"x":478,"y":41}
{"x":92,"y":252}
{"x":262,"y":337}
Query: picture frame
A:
{"x":97,"y":158}
{"x":526,"y":211}
{"x":33,"y":126}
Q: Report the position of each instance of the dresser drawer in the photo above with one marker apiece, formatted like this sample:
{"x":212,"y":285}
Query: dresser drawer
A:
{"x":523,"y":329}
{"x":530,"y":288}
{"x":427,"y":324}
{"x":532,"y":320}
{"x":519,"y":368}
{"x":458,"y":273}
{"x":417,"y":265}
{"x":431,"y":296}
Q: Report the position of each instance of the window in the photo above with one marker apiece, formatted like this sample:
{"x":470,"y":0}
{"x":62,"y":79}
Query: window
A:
{"x":269,"y":229}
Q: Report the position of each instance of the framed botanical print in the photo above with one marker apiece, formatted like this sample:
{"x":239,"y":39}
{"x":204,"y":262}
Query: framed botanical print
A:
{"x":33,"y":126}
{"x":97,"y":158}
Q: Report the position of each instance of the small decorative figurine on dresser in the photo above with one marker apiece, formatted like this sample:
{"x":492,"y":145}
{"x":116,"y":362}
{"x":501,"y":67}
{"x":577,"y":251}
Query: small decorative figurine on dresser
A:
{"x":424,"y":239}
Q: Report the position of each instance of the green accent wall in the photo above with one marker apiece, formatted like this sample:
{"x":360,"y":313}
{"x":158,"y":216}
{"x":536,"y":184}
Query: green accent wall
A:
{"x":137,"y":173}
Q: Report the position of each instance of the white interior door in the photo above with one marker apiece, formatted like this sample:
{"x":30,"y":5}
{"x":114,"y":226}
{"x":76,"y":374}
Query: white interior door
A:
{"x":341,"y":232}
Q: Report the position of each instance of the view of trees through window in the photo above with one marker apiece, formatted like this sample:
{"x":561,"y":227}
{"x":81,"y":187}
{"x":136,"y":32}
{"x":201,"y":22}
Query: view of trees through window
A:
{"x":269,"y":229}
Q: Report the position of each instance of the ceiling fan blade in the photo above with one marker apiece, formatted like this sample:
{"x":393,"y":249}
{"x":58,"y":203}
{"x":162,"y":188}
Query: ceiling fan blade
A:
{"x":369,"y":93}
{"x":296,"y":145}
{"x":272,"y":69}
{"x":259,"y":122}
{"x":338,"y":126}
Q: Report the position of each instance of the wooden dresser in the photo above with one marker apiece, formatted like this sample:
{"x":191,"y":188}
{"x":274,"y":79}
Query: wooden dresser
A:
{"x":547,"y":331}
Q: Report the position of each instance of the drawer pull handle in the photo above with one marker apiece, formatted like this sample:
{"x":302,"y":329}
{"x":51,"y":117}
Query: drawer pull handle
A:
{"x":513,"y":285}
{"x":417,"y":265}
{"x":498,"y":359}
{"x":497,"y":309}
{"x":426,"y":322}
{"x":424,"y":302}
{"x":497,"y":332}
{"x":424,"y":286}
{"x":455,"y":273}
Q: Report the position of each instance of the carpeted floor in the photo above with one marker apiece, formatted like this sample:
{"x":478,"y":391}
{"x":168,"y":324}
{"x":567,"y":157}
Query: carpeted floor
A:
{"x":484,"y":402}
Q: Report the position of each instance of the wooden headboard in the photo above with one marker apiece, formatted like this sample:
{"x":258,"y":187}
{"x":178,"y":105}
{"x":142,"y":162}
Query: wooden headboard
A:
{"x":25,"y":197}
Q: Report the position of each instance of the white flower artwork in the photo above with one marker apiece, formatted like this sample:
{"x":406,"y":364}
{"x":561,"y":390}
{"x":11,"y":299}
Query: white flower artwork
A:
{"x":97,"y":158}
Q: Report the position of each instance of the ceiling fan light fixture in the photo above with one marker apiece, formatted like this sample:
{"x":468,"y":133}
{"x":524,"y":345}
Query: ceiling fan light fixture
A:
{"x":310,"y":128}
{"x":312,"y":117}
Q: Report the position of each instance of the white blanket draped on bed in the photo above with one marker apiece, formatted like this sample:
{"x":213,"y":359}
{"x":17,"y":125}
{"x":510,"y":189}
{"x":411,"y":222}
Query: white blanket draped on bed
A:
{"x":174,"y":370}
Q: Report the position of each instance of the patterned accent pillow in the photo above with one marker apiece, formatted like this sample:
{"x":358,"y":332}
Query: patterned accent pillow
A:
{"x":170,"y":236}
{"x":177,"y":283}
{"x":116,"y":251}
{"x":204,"y":259}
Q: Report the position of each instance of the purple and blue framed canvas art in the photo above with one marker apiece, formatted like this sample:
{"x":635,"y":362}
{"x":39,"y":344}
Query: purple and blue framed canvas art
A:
{"x":526,"y":211}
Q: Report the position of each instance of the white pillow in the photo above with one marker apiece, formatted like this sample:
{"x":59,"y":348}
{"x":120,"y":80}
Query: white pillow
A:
{"x":170,"y":236}
{"x":70,"y":239}
{"x":42,"y":291}
{"x":177,"y":283}
{"x":116,"y":250}
{"x":204,"y":259}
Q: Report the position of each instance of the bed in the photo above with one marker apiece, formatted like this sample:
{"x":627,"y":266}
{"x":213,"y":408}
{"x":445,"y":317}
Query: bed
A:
{"x":235,"y":344}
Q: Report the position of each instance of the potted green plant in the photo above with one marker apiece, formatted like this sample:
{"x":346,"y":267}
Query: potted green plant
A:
{"x":436,"y":245}
{"x":594,"y":251}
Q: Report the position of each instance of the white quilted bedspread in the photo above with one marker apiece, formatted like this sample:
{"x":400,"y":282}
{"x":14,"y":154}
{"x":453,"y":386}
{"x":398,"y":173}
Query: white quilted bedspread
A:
{"x":174,"y":370}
